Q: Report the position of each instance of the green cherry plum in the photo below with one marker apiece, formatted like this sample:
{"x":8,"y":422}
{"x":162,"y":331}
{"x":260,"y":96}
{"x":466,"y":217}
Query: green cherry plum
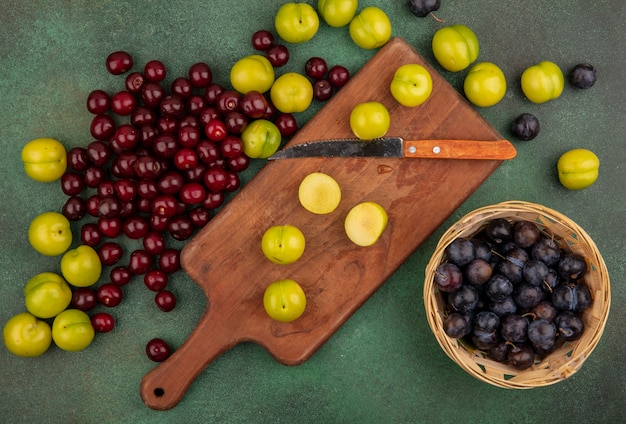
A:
{"x":485,"y":84}
{"x":542,"y":82}
{"x":261,"y":139}
{"x":45,"y":159}
{"x":252,"y":73}
{"x":283,"y":244}
{"x":578,"y":168}
{"x":296,"y":22}
{"x":284,"y":300}
{"x":319,"y":193}
{"x":27,"y":336}
{"x":81,"y":267}
{"x":455,"y":47}
{"x":46,"y":295}
{"x":369,"y":120}
{"x":365,"y":223}
{"x":72,"y":330}
{"x":50,"y":233}
{"x":411,"y":85}
{"x":371,"y":28}
{"x":291,"y":92}
{"x":337,"y":13}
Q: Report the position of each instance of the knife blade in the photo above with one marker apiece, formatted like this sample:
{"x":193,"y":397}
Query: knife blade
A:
{"x":397,"y":147}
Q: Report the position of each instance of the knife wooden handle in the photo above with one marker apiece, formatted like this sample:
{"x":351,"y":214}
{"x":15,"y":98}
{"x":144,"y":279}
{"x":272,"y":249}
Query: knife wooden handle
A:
{"x":459,"y":149}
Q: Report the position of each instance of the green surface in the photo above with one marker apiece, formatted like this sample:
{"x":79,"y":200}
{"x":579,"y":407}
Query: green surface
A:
{"x":384,"y":364}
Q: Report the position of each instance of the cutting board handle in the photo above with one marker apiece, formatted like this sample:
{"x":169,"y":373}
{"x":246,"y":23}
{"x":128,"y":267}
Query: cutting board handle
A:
{"x":164,"y":386}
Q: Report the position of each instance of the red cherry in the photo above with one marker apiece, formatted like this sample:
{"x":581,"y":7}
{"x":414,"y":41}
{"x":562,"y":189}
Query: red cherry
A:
{"x":110,"y":227}
{"x":102,"y":127}
{"x":109,"y":295}
{"x":286,"y":123}
{"x":200,"y":75}
{"x":90,"y":234}
{"x":123,"y":103}
{"x":110,"y":253}
{"x":338,"y":76}
{"x":155,"y":71}
{"x":169,"y":260}
{"x":84,"y":299}
{"x":153,"y":243}
{"x":119,"y":62}
{"x":213,"y":200}
{"x":98,"y":102}
{"x":136,"y":227}
{"x":165,"y":300}
{"x":185,"y":158}
{"x":102,"y":322}
{"x":278,"y":55}
{"x":120,"y":275}
{"x":140,"y":262}
{"x":182,"y":87}
{"x":262,"y":40}
{"x":216,"y":129}
{"x":316,"y":68}
{"x":158,"y":350}
{"x":134,"y":81}
{"x":155,"y":280}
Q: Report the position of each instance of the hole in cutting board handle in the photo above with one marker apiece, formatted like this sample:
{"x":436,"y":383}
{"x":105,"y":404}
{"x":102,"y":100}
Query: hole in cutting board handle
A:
{"x":158,"y":391}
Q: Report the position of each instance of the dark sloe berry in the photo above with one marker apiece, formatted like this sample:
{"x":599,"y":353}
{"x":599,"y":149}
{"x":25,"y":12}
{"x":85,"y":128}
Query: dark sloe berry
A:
{"x":547,"y":251}
{"x":503,"y":307}
{"x":583,"y":76}
{"x":535,"y":272}
{"x":551,"y":281}
{"x":486,"y":321}
{"x":542,"y":335}
{"x":525,"y":234}
{"x":421,"y":8}
{"x":465,"y":299}
{"x":456,"y":325}
{"x":478,"y":272}
{"x":545,"y":310}
{"x":527,"y":296}
{"x":514,"y":328}
{"x":521,"y":356}
{"x":460,"y":252}
{"x":482,"y":249}
{"x":500,"y":351}
{"x":485,"y":340}
{"x":525,"y":127}
{"x":571,"y":297}
{"x":499,"y":230}
{"x":498,"y":288}
{"x":448,"y":277}
{"x":569,"y":326}
{"x":572,"y":266}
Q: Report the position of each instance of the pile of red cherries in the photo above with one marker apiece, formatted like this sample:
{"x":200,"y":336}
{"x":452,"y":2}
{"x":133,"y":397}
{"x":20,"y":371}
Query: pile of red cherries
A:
{"x":162,"y":161}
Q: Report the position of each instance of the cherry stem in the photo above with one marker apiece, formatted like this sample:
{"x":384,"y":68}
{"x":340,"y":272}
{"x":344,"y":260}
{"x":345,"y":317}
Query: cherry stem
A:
{"x":498,"y":254}
{"x":441,"y":21}
{"x":530,"y":314}
{"x":547,"y":286}
{"x":510,"y":344}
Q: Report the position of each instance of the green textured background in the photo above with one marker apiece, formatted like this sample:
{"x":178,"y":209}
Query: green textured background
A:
{"x":384,"y":364}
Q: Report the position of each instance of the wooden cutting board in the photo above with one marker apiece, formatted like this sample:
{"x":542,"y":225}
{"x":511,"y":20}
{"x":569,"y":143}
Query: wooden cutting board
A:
{"x":226,"y":261}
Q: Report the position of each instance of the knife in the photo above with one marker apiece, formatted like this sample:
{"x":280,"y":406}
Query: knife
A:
{"x":397,"y":147}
